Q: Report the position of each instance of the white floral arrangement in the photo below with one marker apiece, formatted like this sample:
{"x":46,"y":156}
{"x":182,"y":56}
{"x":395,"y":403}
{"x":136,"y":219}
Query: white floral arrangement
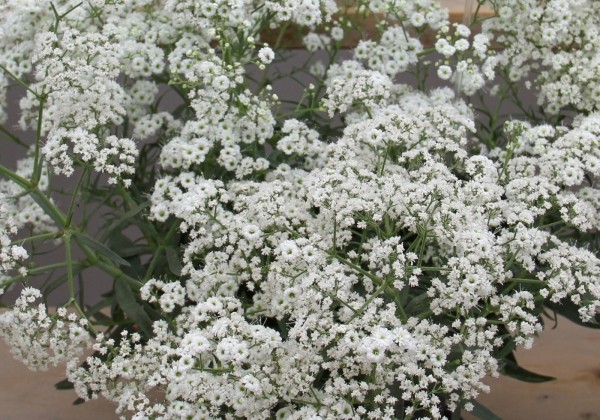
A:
{"x":371,"y":249}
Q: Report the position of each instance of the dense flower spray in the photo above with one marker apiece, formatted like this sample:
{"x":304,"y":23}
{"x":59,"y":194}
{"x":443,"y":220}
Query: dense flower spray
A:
{"x":371,"y":249}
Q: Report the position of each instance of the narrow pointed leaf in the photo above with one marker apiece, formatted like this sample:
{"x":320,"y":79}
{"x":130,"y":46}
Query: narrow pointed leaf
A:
{"x":132,"y":308}
{"x":101,"y":249}
{"x":571,"y":311}
{"x":64,"y":384}
{"x":482,"y":412}
{"x":512,"y":369}
{"x":173,"y":260}
{"x":123,"y":219}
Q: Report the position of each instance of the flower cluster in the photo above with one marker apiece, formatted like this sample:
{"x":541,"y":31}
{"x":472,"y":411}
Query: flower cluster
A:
{"x":350,"y":84}
{"x":23,"y":210}
{"x":371,"y":250}
{"x":10,"y":254}
{"x":467,"y":62}
{"x":39,"y":339}
{"x":556,"y":42}
{"x":397,"y":49}
{"x":344,"y":311}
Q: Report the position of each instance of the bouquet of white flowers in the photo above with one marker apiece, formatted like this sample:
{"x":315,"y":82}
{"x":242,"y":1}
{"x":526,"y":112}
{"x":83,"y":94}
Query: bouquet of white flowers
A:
{"x":369,"y":249}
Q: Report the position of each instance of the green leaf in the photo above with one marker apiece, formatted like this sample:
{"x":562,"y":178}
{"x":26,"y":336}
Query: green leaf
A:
{"x":127,"y":249}
{"x":571,"y":311}
{"x":173,"y":260}
{"x":417,"y":303}
{"x":98,"y":247}
{"x":136,"y":250}
{"x":512,"y":369}
{"x":482,"y":412}
{"x":132,"y":308}
{"x":135,"y":269}
{"x":78,"y":401}
{"x":96,"y":310}
{"x":124,"y":246}
{"x":123,"y":219}
{"x":506,"y":350}
{"x":64,"y":384}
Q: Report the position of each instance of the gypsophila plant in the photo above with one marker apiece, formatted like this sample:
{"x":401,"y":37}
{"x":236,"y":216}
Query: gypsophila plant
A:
{"x":374,"y":248}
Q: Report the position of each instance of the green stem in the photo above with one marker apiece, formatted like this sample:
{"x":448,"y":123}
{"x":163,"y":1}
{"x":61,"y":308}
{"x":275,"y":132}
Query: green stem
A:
{"x":12,"y":137}
{"x":161,"y":248}
{"x":364,"y":306}
{"x":34,"y":272}
{"x":49,"y":235}
{"x":280,"y":36}
{"x":425,"y":52}
{"x":40,"y":198}
{"x":19,"y":81}
{"x":379,"y":282}
{"x":153,"y":264}
{"x":60,"y":219}
{"x":69,"y":263}
{"x":131,"y":204}
{"x":22,"y":182}
{"x":74,"y":198}
{"x":113,"y":271}
{"x":355,"y":267}
{"x":37,"y":164}
{"x":49,"y":207}
{"x":82,"y":314}
{"x":560,"y":222}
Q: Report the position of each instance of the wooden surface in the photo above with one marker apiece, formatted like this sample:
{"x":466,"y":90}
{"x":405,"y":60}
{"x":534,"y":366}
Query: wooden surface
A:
{"x":569,"y":353}
{"x":27,"y":395}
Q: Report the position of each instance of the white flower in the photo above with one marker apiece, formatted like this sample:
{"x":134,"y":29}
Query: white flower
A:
{"x":251,"y":232}
{"x":289,"y":250}
{"x":444,"y":72}
{"x":373,"y":349}
{"x":195,"y":343}
{"x":417,"y":20}
{"x":461,"y":45}
{"x":463,"y":30}
{"x":221,"y":83}
{"x":266,"y":55}
{"x":19,"y":253}
{"x":337,"y":33}
{"x":443,"y":47}
{"x":231,"y":349}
